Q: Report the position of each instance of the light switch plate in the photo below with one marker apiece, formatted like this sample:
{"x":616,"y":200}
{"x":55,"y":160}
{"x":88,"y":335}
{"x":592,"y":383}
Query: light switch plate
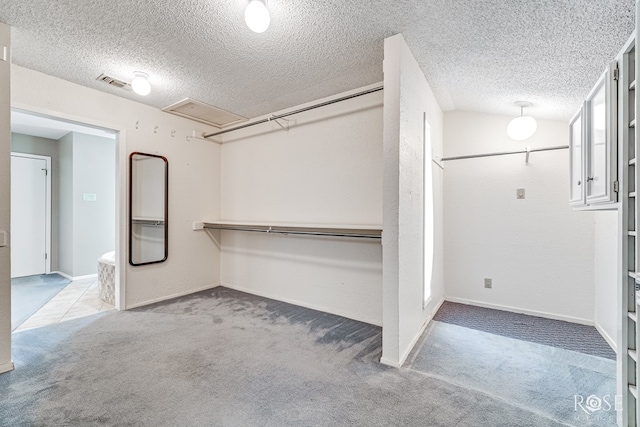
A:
{"x":3,"y":238}
{"x":520,"y":193}
{"x":4,"y":53}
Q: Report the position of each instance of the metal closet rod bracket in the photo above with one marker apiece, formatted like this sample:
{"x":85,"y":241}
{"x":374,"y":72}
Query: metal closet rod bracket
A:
{"x":280,"y":124}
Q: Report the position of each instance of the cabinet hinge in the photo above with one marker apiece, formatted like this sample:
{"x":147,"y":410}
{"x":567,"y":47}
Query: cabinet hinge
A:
{"x":616,"y":186}
{"x":46,"y":255}
{"x":616,"y":73}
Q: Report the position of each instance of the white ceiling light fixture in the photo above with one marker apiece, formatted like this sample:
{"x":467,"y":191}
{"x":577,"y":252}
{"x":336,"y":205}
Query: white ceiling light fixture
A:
{"x":257,"y":16}
{"x":522,"y":127}
{"x":140,"y":83}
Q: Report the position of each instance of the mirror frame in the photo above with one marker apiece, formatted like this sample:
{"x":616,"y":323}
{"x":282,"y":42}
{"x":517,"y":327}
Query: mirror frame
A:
{"x":166,"y":208}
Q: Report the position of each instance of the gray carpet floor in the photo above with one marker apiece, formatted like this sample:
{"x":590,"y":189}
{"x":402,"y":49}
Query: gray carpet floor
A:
{"x":555,"y":333}
{"x":29,"y":294}
{"x":546,"y":380}
{"x":225,"y":358}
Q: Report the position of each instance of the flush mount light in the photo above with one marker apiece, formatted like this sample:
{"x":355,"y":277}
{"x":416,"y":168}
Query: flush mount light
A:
{"x":522,"y":127}
{"x":257,"y":17}
{"x":140,"y":83}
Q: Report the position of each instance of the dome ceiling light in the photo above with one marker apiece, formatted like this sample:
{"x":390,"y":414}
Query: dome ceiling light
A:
{"x":257,"y":17}
{"x":140,"y":83}
{"x":522,"y":127}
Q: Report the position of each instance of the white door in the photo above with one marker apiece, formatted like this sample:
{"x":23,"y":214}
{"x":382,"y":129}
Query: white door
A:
{"x":28,"y":215}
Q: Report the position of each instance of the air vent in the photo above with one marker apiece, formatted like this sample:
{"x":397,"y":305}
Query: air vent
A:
{"x":203,"y":113}
{"x":112,"y":81}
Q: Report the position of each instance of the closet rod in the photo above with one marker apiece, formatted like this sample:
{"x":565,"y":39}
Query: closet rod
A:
{"x":301,"y":110}
{"x":157,"y":222}
{"x":504,"y":153}
{"x":271,"y":230}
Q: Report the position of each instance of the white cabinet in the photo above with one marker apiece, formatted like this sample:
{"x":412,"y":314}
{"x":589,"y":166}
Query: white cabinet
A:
{"x":593,"y":146}
{"x":576,"y":169}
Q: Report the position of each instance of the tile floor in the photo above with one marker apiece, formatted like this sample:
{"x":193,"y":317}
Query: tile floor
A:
{"x":78,"y":299}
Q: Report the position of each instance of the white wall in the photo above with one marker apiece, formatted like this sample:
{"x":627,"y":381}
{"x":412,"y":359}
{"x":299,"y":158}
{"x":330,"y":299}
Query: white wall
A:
{"x":28,"y":144}
{"x":325,"y":170}
{"x":606,"y":274}
{"x":5,"y":203}
{"x":407,"y":97}
{"x":538,"y":251}
{"x":65,"y":223}
{"x":194,"y":184}
{"x":86,"y":228}
{"x":93,"y":221}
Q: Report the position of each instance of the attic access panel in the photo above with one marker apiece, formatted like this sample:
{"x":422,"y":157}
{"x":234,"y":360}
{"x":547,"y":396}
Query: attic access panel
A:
{"x":204,"y":113}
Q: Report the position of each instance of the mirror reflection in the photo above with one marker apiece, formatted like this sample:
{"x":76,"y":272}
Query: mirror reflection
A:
{"x":148,"y":191}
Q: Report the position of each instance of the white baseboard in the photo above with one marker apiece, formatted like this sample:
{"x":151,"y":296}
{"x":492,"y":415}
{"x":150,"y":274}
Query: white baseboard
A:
{"x":6,"y":367}
{"x":415,"y":339}
{"x":407,"y":352}
{"x":172,"y":296}
{"x":522,"y":311}
{"x":65,"y":275}
{"x":607,"y":338}
{"x":388,"y":362}
{"x":73,"y":278}
{"x":305,"y":305}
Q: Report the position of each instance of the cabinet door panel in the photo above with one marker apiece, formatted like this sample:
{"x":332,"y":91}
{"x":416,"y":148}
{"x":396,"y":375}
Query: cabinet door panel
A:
{"x":576,"y":158}
{"x":597,"y":171}
{"x":601,"y":141}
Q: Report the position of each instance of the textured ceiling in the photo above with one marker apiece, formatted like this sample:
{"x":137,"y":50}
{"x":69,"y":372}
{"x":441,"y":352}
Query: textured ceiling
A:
{"x":478,"y":55}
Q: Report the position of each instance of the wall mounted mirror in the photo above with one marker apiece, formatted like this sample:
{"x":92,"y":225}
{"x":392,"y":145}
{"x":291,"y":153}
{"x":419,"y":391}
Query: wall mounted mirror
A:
{"x":148,"y":208}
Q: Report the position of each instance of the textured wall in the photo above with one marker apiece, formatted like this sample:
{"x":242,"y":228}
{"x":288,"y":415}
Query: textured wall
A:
{"x":5,"y":204}
{"x":194,"y":185}
{"x":44,"y":147}
{"x":326,"y":169}
{"x":407,"y":97}
{"x":538,"y":251}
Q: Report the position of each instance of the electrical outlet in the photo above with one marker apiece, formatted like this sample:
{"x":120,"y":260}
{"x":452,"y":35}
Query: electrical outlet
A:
{"x":520,"y":193}
{"x":487,"y":283}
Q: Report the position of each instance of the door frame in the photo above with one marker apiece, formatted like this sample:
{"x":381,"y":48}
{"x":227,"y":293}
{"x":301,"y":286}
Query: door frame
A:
{"x":121,"y":188}
{"x":47,"y":159}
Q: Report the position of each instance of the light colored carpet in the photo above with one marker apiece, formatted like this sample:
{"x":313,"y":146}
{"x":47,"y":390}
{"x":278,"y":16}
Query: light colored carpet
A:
{"x":224,"y":358}
{"x":544,"y":379}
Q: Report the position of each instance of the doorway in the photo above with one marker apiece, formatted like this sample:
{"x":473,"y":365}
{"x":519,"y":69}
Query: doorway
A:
{"x":79,"y":205}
